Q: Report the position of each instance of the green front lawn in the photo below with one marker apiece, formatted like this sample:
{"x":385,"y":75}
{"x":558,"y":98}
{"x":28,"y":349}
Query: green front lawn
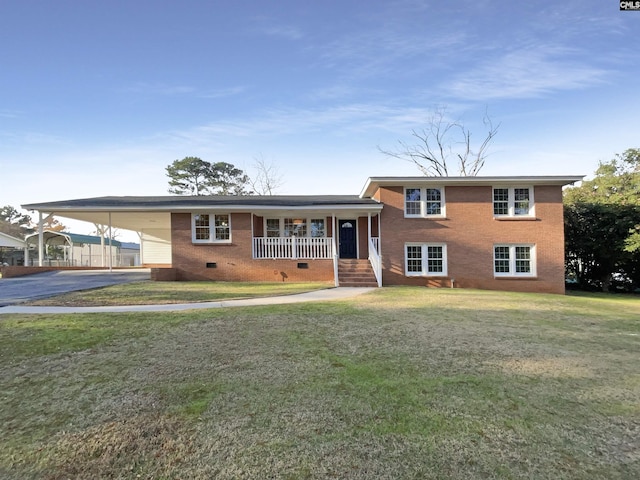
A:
{"x":400,"y":383}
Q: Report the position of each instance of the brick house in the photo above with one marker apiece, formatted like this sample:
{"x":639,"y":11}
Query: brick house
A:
{"x":500,"y":233}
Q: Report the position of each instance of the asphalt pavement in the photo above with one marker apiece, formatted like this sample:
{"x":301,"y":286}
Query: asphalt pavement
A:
{"x":18,"y":290}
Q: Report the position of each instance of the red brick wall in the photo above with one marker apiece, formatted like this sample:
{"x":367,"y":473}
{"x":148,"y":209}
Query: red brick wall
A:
{"x":234,"y":261}
{"x":470,"y":231}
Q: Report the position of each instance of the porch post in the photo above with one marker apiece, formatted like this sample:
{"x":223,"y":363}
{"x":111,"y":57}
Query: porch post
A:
{"x":333,"y":234}
{"x":253,"y":242}
{"x":368,"y":232}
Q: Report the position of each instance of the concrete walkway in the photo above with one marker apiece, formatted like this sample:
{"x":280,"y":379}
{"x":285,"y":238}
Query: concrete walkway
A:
{"x":338,"y":293}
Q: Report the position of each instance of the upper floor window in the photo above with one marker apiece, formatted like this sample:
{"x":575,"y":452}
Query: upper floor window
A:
{"x":514,"y":260}
{"x":513,"y":201}
{"x":425,"y":259}
{"x":210,"y":228}
{"x":424,"y":202}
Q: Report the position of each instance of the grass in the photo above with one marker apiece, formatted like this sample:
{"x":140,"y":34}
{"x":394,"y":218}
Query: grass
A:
{"x":146,"y":293}
{"x":402,"y":383}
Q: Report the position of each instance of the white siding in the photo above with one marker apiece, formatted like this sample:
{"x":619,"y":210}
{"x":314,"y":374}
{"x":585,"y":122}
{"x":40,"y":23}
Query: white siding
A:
{"x":156,"y":246}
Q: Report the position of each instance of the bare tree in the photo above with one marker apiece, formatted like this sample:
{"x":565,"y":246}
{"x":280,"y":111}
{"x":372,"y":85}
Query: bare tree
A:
{"x":440,"y":142}
{"x":267,"y":178}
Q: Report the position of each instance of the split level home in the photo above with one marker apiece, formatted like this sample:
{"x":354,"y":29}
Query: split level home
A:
{"x":501,"y":233}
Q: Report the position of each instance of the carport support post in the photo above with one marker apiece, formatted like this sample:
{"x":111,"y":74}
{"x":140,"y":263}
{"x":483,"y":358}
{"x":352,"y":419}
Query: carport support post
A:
{"x":40,"y":240}
{"x":102,"y":264}
{"x":110,"y":246}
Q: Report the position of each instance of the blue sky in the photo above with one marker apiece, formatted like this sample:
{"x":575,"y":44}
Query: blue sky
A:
{"x":98,"y":97}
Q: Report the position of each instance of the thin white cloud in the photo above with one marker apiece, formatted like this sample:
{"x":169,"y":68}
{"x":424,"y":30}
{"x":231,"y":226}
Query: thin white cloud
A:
{"x":525,"y":73}
{"x":284,"y":31}
{"x":390,"y":50}
{"x":340,"y":120}
{"x":30,"y":138}
{"x":224,"y":92}
{"x":159,"y":89}
{"x":8,"y":114}
{"x":273,"y":27}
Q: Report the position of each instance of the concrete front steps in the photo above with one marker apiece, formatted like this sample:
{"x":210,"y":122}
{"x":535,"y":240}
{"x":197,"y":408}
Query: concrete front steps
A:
{"x":356,"y":273}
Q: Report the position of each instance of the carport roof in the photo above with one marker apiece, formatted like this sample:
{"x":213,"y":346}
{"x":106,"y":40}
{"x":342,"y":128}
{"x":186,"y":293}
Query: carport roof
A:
{"x":175,"y":202}
{"x":151,"y":213}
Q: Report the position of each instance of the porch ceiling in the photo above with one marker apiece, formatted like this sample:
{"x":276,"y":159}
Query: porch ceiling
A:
{"x":136,"y":221}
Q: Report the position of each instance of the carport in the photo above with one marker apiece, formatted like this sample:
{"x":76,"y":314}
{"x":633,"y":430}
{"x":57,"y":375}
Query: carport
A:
{"x":149,"y":218}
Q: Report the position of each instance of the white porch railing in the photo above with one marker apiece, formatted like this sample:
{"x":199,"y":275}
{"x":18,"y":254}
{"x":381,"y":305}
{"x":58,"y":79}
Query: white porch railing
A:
{"x":375,"y":243}
{"x":292,"y":248}
{"x":375,"y":259}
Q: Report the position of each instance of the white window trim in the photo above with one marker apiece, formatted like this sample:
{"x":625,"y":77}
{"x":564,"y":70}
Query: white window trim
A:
{"x":512,"y":260}
{"x":307,"y":219}
{"x":212,"y":228}
{"x":423,"y":202}
{"x":425,"y":260}
{"x":512,"y":202}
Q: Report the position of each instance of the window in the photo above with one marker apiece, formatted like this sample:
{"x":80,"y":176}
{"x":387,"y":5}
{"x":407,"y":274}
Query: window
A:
{"x":207,"y":228}
{"x":201,"y":227}
{"x":427,"y":259}
{"x":273,"y":227}
{"x":434,"y":201}
{"x":412,"y":201}
{"x":298,"y":227}
{"x":317,"y":227}
{"x":295,"y":227}
{"x":222,"y":231}
{"x":514,"y":260}
{"x":513,"y":201}
{"x":424,"y":202}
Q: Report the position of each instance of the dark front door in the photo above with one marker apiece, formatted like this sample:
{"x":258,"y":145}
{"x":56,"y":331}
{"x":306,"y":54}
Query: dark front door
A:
{"x":347,"y":232}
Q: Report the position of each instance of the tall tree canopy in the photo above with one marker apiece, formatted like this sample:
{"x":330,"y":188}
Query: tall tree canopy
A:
{"x":194,"y":176}
{"x":602,"y":223}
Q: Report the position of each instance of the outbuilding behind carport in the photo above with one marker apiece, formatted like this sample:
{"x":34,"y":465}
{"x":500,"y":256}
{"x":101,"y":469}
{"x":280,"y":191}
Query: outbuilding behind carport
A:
{"x":78,"y":250}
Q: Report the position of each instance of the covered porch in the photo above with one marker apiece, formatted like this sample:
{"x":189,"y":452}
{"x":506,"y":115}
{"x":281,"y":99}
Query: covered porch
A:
{"x":350,"y":240}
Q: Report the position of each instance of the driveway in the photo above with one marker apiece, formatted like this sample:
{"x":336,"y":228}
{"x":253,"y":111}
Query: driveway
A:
{"x":42,"y":285}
